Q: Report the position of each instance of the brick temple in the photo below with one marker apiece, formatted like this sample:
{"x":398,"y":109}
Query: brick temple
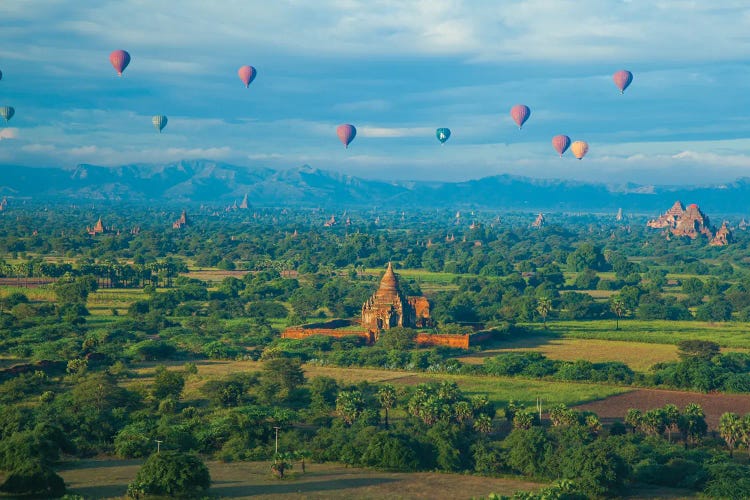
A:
{"x":388,"y":308}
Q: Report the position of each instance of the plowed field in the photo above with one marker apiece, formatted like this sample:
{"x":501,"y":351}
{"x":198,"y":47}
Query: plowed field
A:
{"x":714,"y":405}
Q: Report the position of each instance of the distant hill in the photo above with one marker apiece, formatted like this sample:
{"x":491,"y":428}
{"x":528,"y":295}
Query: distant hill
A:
{"x":201,"y":181}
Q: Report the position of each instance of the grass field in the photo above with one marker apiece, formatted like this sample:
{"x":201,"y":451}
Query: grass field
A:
{"x":729,"y":334}
{"x":108,"y":479}
{"x":639,"y":356}
{"x":104,"y":300}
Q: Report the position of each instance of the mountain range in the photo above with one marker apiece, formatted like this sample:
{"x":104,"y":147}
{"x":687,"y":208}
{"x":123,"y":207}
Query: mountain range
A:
{"x":202,"y":181}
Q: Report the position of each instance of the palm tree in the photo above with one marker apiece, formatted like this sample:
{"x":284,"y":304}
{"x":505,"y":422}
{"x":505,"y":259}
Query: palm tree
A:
{"x":462,"y":411}
{"x":349,"y":405}
{"x":617,"y":305}
{"x":387,"y":399}
{"x":543,"y":307}
{"x":671,"y":418}
{"x":633,"y":418}
{"x":730,"y":429}
{"x":654,"y":422}
{"x":523,"y":420}
{"x":745,"y":434}
{"x":281,"y":462}
{"x":692,"y":425}
{"x":483,"y":424}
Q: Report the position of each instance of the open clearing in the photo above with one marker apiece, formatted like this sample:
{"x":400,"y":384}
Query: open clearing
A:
{"x":109,"y":478}
{"x":727,"y":334}
{"x":639,"y":356}
{"x":714,"y":405}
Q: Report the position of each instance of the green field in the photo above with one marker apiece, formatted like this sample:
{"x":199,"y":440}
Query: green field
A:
{"x":728,"y":334}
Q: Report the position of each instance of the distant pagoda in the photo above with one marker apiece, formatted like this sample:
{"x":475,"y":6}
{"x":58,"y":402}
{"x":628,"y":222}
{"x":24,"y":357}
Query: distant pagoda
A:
{"x":539,"y":222}
{"x":181,"y":222}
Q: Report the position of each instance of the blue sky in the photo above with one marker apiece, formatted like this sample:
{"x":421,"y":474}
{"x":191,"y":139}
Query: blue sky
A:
{"x":397,"y":70}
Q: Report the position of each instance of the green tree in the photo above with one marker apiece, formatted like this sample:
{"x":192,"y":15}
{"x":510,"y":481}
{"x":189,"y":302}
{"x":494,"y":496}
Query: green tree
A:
{"x":617,"y":306}
{"x":167,"y":383}
{"x":398,"y":338}
{"x":281,"y":463}
{"x":523,"y":419}
{"x":171,"y":473}
{"x":671,"y":415}
{"x":700,"y":349}
{"x":350,"y":405}
{"x":692,"y":424}
{"x":387,"y":399}
{"x":633,"y":418}
{"x":34,"y":478}
{"x":281,"y":377}
{"x":730,"y":430}
{"x":543,"y":307}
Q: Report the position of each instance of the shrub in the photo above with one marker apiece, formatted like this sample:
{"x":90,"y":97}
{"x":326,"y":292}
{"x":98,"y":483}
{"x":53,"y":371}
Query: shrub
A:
{"x":34,"y":479}
{"x":171,"y":473}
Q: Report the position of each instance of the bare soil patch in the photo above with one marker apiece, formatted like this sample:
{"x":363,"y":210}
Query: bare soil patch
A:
{"x":714,"y":405}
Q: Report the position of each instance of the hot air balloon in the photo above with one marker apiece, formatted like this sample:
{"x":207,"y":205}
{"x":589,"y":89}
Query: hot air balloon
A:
{"x":579,"y":149}
{"x":561,"y":143}
{"x":247,"y":74}
{"x":443,"y":134}
{"x":622,"y":79}
{"x":7,"y":112}
{"x":520,"y":113}
{"x":120,"y":60}
{"x":346,"y":134}
{"x":159,"y":121}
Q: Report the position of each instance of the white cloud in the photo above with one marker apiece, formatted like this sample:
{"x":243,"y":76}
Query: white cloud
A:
{"x":391,"y":132}
{"x":8,"y":133}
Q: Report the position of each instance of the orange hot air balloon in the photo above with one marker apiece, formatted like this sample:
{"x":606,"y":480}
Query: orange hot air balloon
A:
{"x":622,"y":79}
{"x":520,"y":113}
{"x":579,"y":149}
{"x":561,"y":143}
{"x":346,"y":134}
{"x":119,"y":60}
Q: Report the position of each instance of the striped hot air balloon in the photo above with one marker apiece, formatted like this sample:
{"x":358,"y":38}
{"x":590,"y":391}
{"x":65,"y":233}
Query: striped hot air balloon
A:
{"x":346,"y":133}
{"x":561,"y":143}
{"x":7,"y":112}
{"x":622,"y":79}
{"x":520,"y":113}
{"x":247,"y":74}
{"x":579,"y":149}
{"x":120,"y":60}
{"x":443,"y":134}
{"x":159,"y":121}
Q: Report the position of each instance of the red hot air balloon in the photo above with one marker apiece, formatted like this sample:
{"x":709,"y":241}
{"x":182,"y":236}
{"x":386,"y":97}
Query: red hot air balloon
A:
{"x":520,"y":113}
{"x":247,"y":74}
{"x":622,"y":79}
{"x":120,"y":60}
{"x":346,"y":134}
{"x":561,"y":143}
{"x":579,"y":149}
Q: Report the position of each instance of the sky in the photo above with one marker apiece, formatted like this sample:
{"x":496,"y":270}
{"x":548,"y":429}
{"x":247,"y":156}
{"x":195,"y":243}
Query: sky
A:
{"x":397,"y":70}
